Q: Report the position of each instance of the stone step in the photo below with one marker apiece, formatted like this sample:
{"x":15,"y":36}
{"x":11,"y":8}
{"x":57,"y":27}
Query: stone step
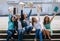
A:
{"x":29,"y":36}
{"x":33,"y":31}
{"x":31,"y":40}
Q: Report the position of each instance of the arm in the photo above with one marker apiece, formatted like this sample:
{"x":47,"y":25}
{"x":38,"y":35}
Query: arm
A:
{"x":30,"y":6}
{"x":22,"y":15}
{"x":22,"y":7}
{"x":53,"y":17}
{"x":55,"y":11}
{"x":9,"y":16}
{"x":38,"y":16}
{"x":29,"y":14}
{"x":42,"y":26}
{"x":39,"y":10}
{"x":22,"y":18}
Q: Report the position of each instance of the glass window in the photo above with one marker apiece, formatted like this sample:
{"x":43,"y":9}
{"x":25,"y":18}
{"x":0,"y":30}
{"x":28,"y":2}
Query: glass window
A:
{"x":30,"y":0}
{"x":47,"y":0}
{"x":3,"y":9}
{"x":36,"y":0}
{"x":57,"y":0}
{"x":47,"y":8}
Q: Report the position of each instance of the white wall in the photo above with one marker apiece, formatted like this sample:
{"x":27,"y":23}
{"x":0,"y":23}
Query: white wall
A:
{"x":55,"y":25}
{"x":3,"y":23}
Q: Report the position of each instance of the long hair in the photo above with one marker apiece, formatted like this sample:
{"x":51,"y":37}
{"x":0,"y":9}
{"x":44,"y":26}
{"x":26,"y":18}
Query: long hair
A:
{"x":33,"y":21}
{"x":46,"y":22}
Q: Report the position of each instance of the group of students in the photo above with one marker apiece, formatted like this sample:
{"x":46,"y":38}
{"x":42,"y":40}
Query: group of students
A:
{"x":24,"y":25}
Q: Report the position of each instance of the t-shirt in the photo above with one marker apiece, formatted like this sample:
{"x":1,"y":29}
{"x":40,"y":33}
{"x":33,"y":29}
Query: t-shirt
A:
{"x":10,"y":25}
{"x":38,"y":25}
{"x":47,"y":26}
{"x":27,"y":22}
{"x":19,"y":25}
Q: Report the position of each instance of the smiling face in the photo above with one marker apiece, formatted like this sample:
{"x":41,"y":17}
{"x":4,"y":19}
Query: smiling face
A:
{"x":25,"y":15}
{"x":46,"y":20}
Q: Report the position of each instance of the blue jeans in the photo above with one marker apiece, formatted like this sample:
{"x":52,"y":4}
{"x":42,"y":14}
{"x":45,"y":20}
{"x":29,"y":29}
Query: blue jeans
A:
{"x":10,"y":34}
{"x":20,"y":34}
{"x":39,"y":34}
{"x":28,"y":29}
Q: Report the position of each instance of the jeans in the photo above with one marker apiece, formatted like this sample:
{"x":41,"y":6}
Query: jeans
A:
{"x":10,"y":34}
{"x":28,"y":29}
{"x":39,"y":34}
{"x":20,"y":34}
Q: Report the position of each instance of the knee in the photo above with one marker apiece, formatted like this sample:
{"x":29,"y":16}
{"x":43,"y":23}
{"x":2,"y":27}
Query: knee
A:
{"x":9,"y":32}
{"x":40,"y":33}
{"x":30,"y":28}
{"x":19,"y":33}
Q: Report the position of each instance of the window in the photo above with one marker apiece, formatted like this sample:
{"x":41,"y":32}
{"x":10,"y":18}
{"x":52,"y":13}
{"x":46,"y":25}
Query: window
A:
{"x":57,"y":0}
{"x":47,"y":0}
{"x":47,"y":6}
{"x":30,"y":0}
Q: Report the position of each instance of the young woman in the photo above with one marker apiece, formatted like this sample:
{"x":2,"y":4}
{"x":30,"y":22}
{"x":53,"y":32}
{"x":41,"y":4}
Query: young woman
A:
{"x":11,"y":18}
{"x":25,"y":21}
{"x":20,"y":29}
{"x":47,"y":23}
{"x":38,"y":28}
{"x":37,"y":23}
{"x":11,"y":28}
{"x":27,"y":24}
